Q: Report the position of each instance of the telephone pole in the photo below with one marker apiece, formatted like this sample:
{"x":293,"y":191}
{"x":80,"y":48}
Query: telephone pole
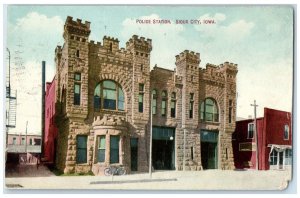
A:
{"x":255,"y":132}
{"x":150,"y":149}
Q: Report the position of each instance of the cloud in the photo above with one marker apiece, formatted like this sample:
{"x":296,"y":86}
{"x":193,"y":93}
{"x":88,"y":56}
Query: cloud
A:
{"x":270,"y":85}
{"x":163,"y":36}
{"x":234,"y":31}
{"x":35,"y":22}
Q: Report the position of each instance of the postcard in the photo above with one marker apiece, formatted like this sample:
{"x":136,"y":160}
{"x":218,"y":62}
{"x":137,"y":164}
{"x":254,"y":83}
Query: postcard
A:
{"x":149,"y":97}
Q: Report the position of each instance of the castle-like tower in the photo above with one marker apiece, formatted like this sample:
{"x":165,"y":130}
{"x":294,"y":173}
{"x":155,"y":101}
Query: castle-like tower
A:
{"x":105,"y":95}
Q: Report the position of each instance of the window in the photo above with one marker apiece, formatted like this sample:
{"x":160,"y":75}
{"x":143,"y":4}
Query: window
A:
{"x":109,"y":95}
{"x":114,"y":149}
{"x":81,"y":154}
{"x":77,"y":90}
{"x":23,"y":141}
{"x":288,"y":157}
{"x":142,"y":67}
{"x":154,"y":101}
{"x":164,"y":103}
{"x":14,"y":141}
{"x":250,"y":131}
{"x":173,"y":105}
{"x":230,"y":112}
{"x":273,"y":157}
{"x":286,"y":132}
{"x":77,"y":53}
{"x":192,"y":153}
{"x":209,"y":110}
{"x":101,"y":148}
{"x":77,"y":76}
{"x":191,"y":106}
{"x":141,"y":98}
{"x":110,"y":47}
{"x":30,"y":141}
{"x":141,"y":87}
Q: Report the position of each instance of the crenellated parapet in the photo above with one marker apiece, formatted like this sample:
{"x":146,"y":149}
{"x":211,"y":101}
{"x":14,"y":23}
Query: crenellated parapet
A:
{"x":139,"y":43}
{"x":189,"y":57}
{"x":77,"y":27}
{"x":230,"y":68}
{"x":120,"y":56}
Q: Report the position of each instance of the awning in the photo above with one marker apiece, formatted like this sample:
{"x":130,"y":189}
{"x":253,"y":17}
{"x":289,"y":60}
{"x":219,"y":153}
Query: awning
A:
{"x":278,"y":148}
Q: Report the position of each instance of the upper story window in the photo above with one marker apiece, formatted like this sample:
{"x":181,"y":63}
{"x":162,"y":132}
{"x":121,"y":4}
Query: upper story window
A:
{"x":164,"y":103}
{"x":250,"y":131}
{"x":173,"y":105}
{"x":191,"y":105}
{"x":286,"y":132}
{"x":77,"y":76}
{"x":77,"y":53}
{"x":110,"y":47}
{"x":141,"y":98}
{"x":109,"y":95}
{"x":14,"y":141}
{"x":230,"y":111}
{"x":77,"y":88}
{"x":209,"y":110}
{"x":154,"y":101}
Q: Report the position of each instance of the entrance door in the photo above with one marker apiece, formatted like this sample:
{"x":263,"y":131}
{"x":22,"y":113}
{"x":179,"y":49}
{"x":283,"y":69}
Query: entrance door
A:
{"x":163,"y":155}
{"x":209,"y":149}
{"x":134,"y":153}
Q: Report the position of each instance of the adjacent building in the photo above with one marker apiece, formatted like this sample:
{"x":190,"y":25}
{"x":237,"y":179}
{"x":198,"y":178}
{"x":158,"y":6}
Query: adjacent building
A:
{"x":103,"y":112}
{"x":23,"y":149}
{"x":50,"y":134}
{"x":274,"y":134}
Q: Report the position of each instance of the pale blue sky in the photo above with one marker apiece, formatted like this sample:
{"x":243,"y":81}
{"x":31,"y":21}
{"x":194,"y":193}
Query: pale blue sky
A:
{"x":257,"y":38}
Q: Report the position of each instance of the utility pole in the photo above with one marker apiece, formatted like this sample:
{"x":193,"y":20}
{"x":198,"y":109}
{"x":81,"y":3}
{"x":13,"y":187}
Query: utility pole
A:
{"x":150,"y":149}
{"x":255,"y":132}
{"x":26,"y":138}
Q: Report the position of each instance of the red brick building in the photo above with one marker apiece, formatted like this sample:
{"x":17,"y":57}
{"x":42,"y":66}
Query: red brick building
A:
{"x":50,"y":127}
{"x":274,"y":141}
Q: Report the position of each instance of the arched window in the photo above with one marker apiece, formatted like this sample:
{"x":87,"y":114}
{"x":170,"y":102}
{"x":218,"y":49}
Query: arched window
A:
{"x":209,"y":110}
{"x":109,"y":95}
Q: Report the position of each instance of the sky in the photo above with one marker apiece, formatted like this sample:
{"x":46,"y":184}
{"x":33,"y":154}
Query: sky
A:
{"x":257,"y":38}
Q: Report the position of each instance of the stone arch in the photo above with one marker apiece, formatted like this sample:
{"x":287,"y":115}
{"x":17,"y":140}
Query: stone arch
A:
{"x":125,"y":83}
{"x":215,"y":100}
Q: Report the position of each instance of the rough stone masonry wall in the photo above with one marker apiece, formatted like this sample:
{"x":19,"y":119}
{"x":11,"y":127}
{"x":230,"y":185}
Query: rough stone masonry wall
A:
{"x":214,"y":82}
{"x":140,"y":49}
{"x":62,"y":146}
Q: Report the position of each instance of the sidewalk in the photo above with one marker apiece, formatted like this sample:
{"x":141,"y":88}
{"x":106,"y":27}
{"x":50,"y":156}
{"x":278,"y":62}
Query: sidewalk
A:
{"x":165,"y":180}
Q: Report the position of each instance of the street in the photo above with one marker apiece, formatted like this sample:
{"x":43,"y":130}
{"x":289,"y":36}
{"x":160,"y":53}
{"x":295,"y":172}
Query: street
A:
{"x":162,"y":180}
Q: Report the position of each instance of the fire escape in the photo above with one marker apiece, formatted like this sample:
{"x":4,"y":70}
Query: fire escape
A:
{"x":11,"y":102}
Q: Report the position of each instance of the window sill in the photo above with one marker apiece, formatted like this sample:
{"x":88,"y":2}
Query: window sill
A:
{"x":82,"y":164}
{"x":210,"y":122}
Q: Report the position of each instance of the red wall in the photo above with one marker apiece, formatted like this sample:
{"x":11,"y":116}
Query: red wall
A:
{"x":274,"y":132}
{"x":270,"y":130}
{"x":50,"y":127}
{"x":240,"y":136}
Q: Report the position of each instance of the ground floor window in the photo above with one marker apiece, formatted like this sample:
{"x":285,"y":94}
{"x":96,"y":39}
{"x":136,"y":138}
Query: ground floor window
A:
{"x":81,"y":152}
{"x":101,"y":148}
{"x":114,"y":149}
{"x":273,"y":157}
{"x":288,"y":157}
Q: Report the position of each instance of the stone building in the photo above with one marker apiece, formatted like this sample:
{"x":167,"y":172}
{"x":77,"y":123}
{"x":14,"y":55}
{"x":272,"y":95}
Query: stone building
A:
{"x":103,"y":109}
